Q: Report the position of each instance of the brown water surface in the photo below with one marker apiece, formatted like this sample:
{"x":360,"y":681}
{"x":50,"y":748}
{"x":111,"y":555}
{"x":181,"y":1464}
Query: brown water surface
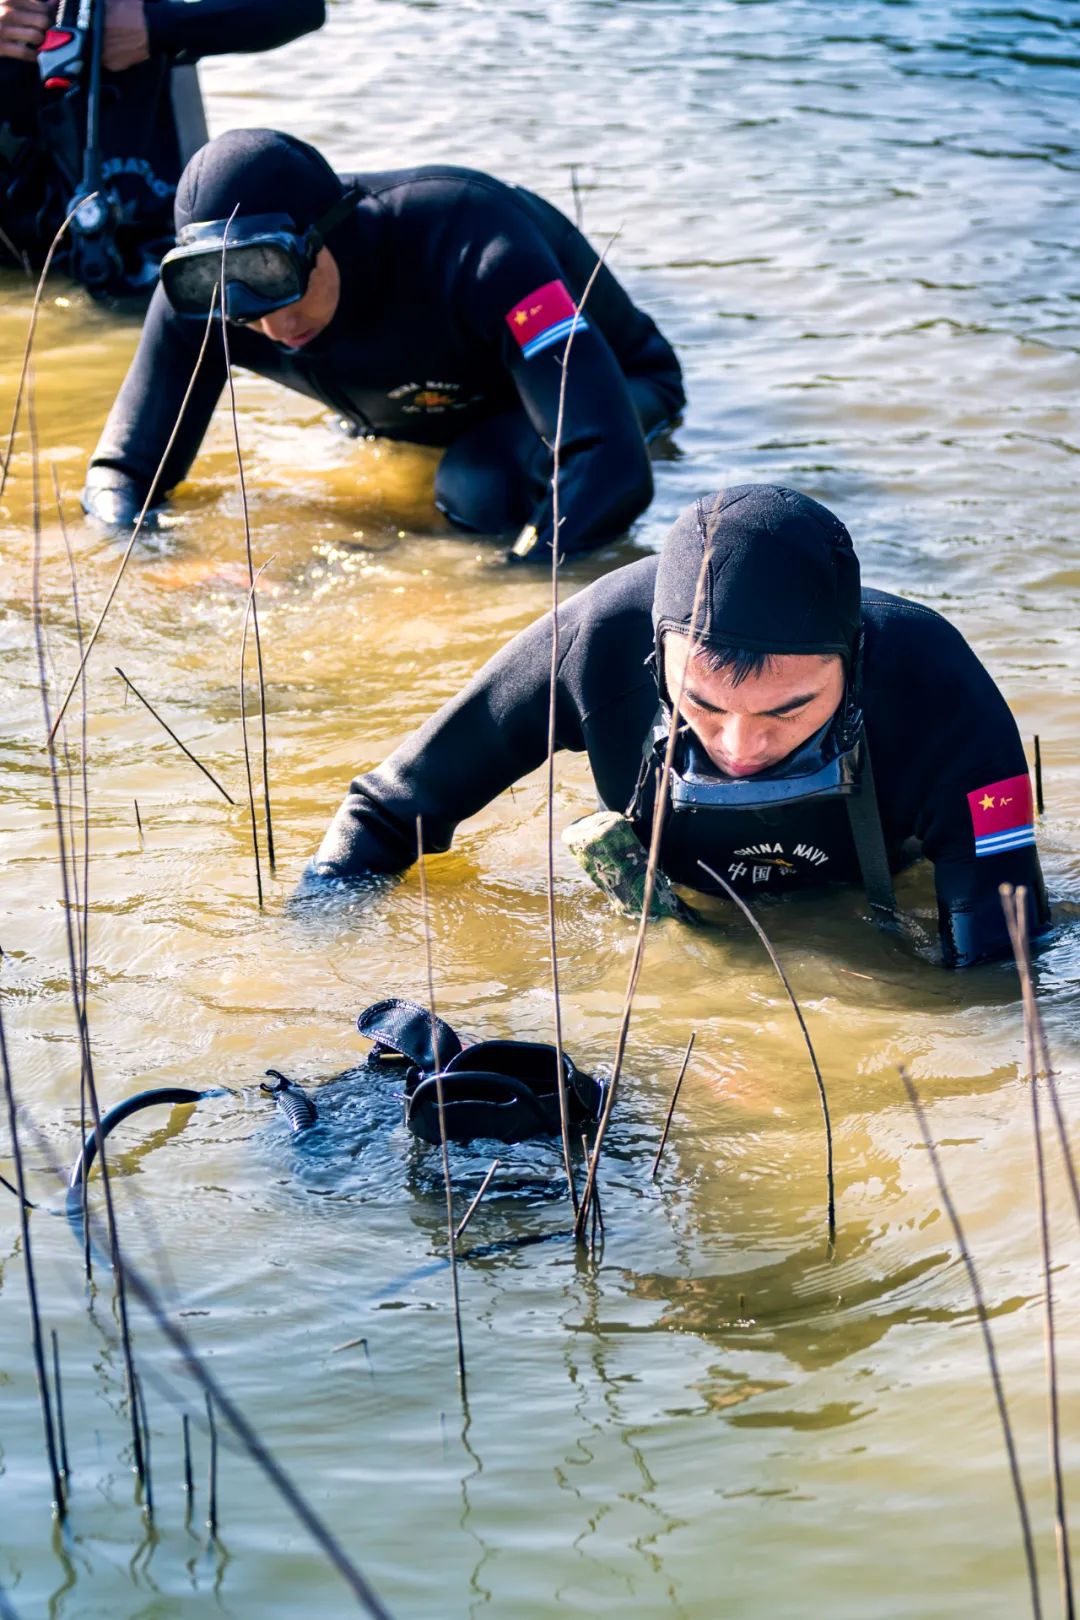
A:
{"x":859,"y":223}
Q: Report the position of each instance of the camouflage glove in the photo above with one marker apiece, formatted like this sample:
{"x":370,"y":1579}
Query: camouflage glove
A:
{"x":608,"y":848}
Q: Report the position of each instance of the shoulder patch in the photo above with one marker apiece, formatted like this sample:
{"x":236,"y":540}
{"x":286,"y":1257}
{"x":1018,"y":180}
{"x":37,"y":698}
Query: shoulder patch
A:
{"x":545,"y":317}
{"x":1001,"y":815}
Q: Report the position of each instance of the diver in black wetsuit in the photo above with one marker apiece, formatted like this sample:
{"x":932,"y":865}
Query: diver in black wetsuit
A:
{"x":431,"y":305}
{"x":151,"y":117}
{"x":798,"y":679}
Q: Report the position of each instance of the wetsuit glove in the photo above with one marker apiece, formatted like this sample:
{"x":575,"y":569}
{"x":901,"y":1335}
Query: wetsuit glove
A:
{"x":114,"y":499}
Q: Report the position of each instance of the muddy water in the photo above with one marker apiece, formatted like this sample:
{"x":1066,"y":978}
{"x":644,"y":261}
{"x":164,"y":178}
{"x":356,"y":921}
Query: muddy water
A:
{"x":859,"y":223}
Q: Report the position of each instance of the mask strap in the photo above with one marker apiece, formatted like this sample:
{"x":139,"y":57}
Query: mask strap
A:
{"x":317,"y":233}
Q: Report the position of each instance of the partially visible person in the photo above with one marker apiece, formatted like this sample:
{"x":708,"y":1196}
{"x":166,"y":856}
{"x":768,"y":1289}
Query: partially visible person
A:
{"x":794,"y":678}
{"x":151,"y":118}
{"x":432,"y":305}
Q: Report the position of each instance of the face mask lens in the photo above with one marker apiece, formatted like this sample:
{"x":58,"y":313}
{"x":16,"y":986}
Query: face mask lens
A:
{"x":259,"y":278}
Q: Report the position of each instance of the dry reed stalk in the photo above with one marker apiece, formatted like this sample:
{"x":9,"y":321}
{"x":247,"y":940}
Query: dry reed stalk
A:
{"x":138,"y":823}
{"x":148,"y":1499}
{"x":252,"y":576}
{"x":211,"y":1484}
{"x":165,"y":726}
{"x":659,"y":810}
{"x":129,"y":548}
{"x":81,"y":1021}
{"x":674,"y":1100}
{"x":36,"y":1341}
{"x":185,"y":1434}
{"x":25,"y":369}
{"x":242,"y":1428}
{"x":1033,"y":1021}
{"x":556,"y":524}
{"x":244,"y":730}
{"x":1039,"y":802}
{"x":474,"y":1206}
{"x":830,"y":1181}
{"x":84,"y":930}
{"x":988,"y":1341}
{"x":450,"y":1234}
{"x":1014,"y":903}
{"x":61,"y":1426}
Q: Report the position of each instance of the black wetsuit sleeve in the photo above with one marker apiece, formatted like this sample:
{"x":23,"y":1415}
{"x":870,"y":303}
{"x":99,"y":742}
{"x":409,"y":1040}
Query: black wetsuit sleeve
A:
{"x":487,"y":737}
{"x":147,"y":406}
{"x":605,"y":477}
{"x":981,"y":786}
{"x":188,"y":29}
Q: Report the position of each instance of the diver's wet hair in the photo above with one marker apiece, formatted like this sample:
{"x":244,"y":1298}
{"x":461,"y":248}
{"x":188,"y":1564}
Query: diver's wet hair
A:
{"x":738,"y":662}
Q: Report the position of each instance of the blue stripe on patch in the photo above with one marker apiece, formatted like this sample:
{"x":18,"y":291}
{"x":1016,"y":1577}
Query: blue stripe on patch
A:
{"x":995,"y":843}
{"x":554,"y":334}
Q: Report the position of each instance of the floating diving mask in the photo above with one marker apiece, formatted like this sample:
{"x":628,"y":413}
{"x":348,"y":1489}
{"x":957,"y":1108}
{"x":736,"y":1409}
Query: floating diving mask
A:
{"x":268,"y":262}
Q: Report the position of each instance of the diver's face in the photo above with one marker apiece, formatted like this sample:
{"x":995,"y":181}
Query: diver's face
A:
{"x":746,"y":727}
{"x":298,"y":323}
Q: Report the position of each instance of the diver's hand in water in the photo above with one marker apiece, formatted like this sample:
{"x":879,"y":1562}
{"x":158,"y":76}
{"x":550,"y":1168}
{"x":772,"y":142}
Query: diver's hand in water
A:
{"x":23,"y":25}
{"x":114,"y":500}
{"x":126,"y":39}
{"x":357,"y":843}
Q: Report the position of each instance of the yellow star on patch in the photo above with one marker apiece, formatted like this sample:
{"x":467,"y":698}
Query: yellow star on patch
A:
{"x":520,"y":318}
{"x":986,"y":802}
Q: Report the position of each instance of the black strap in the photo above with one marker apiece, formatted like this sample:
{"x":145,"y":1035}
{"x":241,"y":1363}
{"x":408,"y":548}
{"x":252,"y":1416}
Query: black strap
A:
{"x":320,"y":230}
{"x":865,"y":819}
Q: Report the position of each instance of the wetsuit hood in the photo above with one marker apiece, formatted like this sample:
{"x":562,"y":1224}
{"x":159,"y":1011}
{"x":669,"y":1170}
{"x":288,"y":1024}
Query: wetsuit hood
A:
{"x":781,"y":576}
{"x":258,"y":171}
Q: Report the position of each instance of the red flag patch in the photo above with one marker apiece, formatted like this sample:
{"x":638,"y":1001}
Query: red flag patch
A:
{"x":1001,"y":815}
{"x":545,"y":317}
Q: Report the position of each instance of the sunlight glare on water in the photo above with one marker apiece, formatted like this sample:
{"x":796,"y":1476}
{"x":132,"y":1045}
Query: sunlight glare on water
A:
{"x":859,"y":224}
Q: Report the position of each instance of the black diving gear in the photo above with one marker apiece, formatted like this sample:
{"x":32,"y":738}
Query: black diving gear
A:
{"x":449,"y":328}
{"x":268,"y":262}
{"x":935,"y":762}
{"x":505,"y":1090}
{"x":148,"y":121}
{"x":297,"y":1107}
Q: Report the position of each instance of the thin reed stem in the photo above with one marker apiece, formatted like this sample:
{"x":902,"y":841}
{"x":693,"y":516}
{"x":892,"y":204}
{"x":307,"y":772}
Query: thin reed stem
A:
{"x":988,"y":1342}
{"x":659,"y":811}
{"x":31,"y":328}
{"x":242,"y":1428}
{"x":830,"y":1180}
{"x":211,"y":1484}
{"x":185,"y":1432}
{"x":58,"y":1391}
{"x":1040,"y":803}
{"x":129,"y":548}
{"x":674,"y":1100}
{"x":81,"y":1021}
{"x":1021,"y":946}
{"x":1015,"y":907}
{"x":165,"y":726}
{"x":37,"y":1345}
{"x":556,"y":524}
{"x":247,"y":547}
{"x":148,"y":1496}
{"x":475,"y":1205}
{"x":244,"y":730}
{"x":450,"y":1233}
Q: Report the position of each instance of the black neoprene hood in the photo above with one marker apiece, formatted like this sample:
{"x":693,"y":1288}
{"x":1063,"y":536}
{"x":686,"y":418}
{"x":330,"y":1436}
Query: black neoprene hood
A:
{"x":781,"y":574}
{"x":260,"y":171}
